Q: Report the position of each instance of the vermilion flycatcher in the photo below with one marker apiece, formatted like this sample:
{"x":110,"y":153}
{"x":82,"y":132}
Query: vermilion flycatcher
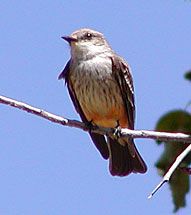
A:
{"x":101,"y":88}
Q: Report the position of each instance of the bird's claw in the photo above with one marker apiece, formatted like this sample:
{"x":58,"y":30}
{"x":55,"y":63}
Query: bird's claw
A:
{"x":90,"y":126}
{"x":117,"y":132}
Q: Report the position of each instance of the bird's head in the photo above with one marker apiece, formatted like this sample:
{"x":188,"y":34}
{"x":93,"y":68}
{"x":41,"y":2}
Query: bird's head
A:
{"x":86,"y":43}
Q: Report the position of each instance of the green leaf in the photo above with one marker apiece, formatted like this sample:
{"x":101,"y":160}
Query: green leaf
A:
{"x":179,"y":185}
{"x":187,"y":75}
{"x":175,"y":121}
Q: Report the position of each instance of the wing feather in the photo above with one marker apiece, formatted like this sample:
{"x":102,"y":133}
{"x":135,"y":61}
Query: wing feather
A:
{"x":122,"y":74}
{"x":99,"y":140}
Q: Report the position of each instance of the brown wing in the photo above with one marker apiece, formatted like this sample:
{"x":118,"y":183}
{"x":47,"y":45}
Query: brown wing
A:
{"x":99,"y":140}
{"x":125,"y":159}
{"x":122,"y":74}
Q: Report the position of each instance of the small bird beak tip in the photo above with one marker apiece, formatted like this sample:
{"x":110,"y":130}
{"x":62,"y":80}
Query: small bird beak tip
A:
{"x":69,"y":39}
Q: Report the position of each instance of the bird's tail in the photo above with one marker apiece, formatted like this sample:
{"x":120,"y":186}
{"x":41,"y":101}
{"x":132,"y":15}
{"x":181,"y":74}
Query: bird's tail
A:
{"x":124,"y":158}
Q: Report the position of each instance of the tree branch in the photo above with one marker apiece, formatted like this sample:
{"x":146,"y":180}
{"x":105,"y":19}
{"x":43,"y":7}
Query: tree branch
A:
{"x":162,"y":136}
{"x":167,"y":176}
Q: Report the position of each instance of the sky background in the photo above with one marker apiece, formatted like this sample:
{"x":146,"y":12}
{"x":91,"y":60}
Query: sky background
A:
{"x":48,"y":169}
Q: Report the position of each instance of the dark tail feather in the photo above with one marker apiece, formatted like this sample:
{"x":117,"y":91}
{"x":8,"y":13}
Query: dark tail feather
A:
{"x":121,"y":160}
{"x":100,"y":143}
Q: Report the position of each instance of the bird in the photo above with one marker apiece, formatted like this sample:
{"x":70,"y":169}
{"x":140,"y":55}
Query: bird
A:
{"x":101,"y":88}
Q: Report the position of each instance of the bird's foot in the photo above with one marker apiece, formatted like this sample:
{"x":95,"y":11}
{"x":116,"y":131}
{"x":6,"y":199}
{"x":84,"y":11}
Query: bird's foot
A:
{"x":117,"y":131}
{"x":90,"y":125}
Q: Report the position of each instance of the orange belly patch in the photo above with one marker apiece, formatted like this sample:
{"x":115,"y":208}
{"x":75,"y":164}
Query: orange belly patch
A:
{"x":110,"y":119}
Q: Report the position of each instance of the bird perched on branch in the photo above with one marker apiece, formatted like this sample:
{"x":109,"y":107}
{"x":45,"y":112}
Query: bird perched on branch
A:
{"x":101,"y":88}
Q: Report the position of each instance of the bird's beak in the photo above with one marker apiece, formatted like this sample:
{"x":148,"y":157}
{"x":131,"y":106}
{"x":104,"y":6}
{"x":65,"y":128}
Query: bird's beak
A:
{"x":69,"y":39}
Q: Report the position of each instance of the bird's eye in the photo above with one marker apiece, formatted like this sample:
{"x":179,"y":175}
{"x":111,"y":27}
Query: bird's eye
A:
{"x":88,"y":35}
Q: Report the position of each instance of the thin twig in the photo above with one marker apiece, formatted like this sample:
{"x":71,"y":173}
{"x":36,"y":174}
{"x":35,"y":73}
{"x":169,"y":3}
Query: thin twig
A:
{"x":167,"y":176}
{"x":162,"y":136}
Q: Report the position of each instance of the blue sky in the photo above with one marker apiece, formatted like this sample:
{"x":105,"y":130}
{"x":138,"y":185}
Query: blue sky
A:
{"x":49,"y":169}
